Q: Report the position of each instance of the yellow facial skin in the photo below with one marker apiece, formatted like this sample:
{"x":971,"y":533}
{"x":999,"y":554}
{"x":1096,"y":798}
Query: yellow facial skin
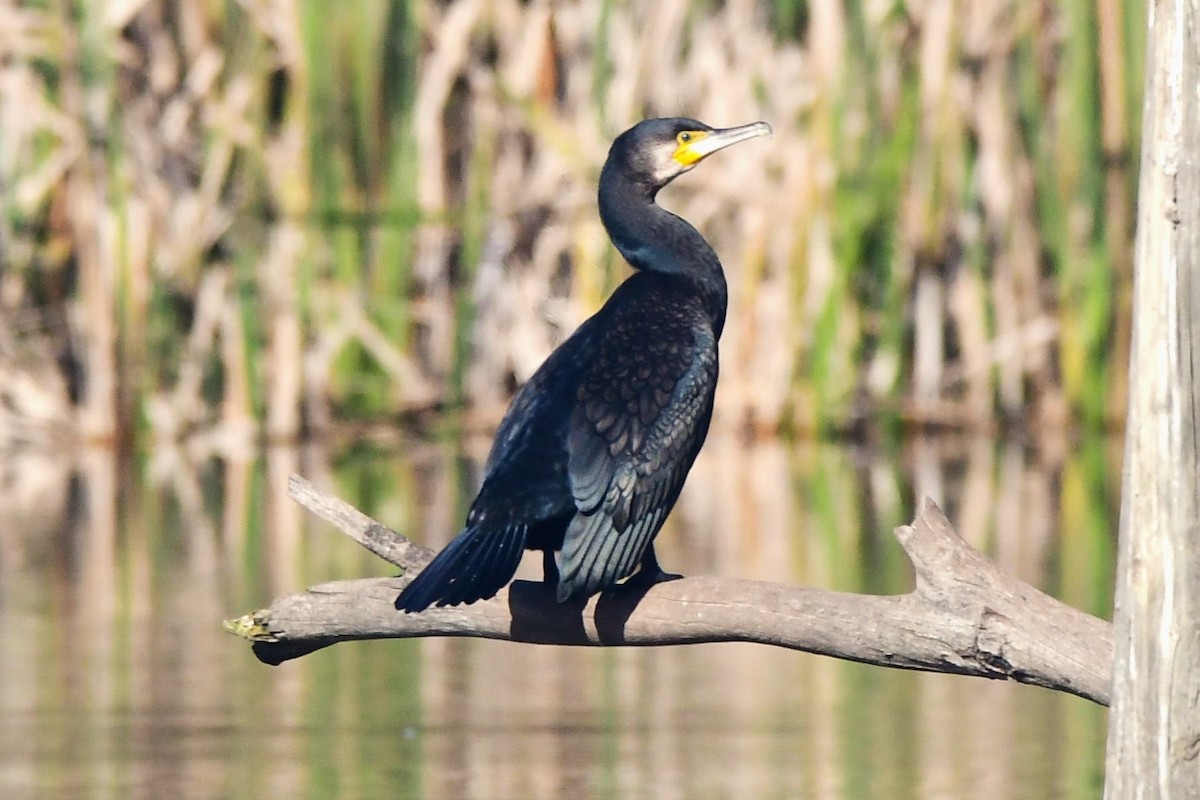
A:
{"x":689,"y":152}
{"x":694,"y":146}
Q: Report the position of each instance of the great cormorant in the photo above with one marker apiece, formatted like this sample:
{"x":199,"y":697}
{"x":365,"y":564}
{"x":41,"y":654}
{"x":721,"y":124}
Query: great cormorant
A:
{"x":594,"y":449}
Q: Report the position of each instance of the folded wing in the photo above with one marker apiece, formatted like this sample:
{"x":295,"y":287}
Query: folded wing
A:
{"x":640,"y":418}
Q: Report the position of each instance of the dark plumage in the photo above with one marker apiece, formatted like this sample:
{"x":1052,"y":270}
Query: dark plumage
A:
{"x":595,"y":448}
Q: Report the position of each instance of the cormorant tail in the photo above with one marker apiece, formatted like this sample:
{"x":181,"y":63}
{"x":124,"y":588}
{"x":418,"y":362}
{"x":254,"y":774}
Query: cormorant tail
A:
{"x":476,"y":565}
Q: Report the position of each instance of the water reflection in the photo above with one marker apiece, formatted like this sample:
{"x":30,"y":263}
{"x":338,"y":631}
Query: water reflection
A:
{"x":116,"y":680}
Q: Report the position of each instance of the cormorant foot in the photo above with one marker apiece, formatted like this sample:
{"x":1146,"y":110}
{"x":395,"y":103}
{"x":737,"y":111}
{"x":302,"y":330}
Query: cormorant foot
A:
{"x":549,"y":569}
{"x":647,"y":578}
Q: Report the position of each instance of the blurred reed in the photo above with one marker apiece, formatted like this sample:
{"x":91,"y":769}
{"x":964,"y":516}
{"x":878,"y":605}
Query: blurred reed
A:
{"x":234,"y":220}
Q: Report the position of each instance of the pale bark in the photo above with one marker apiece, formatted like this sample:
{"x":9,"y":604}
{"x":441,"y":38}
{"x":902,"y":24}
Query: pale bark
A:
{"x":964,"y":615}
{"x":1154,"y":730}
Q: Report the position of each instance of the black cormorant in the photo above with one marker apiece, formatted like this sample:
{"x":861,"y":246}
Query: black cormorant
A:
{"x":594,"y":449}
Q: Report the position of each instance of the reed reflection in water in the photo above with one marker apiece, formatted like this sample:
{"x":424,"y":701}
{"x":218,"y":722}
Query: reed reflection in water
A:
{"x":116,"y":680}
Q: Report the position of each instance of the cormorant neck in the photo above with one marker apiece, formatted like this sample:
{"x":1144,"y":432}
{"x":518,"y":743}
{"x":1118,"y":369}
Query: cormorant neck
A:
{"x":653,"y":239}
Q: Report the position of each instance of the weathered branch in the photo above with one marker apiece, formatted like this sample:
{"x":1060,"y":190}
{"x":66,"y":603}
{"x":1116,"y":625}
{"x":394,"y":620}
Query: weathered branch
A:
{"x":964,"y":616}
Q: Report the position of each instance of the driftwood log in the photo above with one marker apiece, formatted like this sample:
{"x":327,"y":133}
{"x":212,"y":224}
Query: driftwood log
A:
{"x":964,"y":616}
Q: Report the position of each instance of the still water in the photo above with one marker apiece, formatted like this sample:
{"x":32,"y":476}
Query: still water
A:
{"x":117,"y":681}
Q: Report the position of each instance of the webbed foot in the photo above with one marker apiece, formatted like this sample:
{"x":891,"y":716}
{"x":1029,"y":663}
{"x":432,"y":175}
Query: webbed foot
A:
{"x":549,"y":569}
{"x":650,"y":572}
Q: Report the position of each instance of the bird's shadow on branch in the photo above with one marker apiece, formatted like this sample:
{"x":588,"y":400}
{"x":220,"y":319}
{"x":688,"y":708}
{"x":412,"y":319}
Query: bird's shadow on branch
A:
{"x":615,"y":606}
{"x":536,"y":615}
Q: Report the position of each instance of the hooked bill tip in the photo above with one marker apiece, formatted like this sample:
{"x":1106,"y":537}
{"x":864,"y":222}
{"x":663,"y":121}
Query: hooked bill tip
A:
{"x":761,"y":128}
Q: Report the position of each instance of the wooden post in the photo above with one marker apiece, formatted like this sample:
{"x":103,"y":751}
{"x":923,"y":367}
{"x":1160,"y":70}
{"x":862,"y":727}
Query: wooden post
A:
{"x":1154,"y":729}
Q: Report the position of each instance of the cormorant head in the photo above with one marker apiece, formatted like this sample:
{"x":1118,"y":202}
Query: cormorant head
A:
{"x":655,"y":151}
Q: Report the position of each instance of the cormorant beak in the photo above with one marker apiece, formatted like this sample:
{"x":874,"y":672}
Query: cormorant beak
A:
{"x":701,"y":144}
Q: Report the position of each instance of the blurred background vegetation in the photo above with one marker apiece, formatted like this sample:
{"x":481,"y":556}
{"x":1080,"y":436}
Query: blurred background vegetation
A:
{"x":280,"y":218}
{"x":311,"y":223}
